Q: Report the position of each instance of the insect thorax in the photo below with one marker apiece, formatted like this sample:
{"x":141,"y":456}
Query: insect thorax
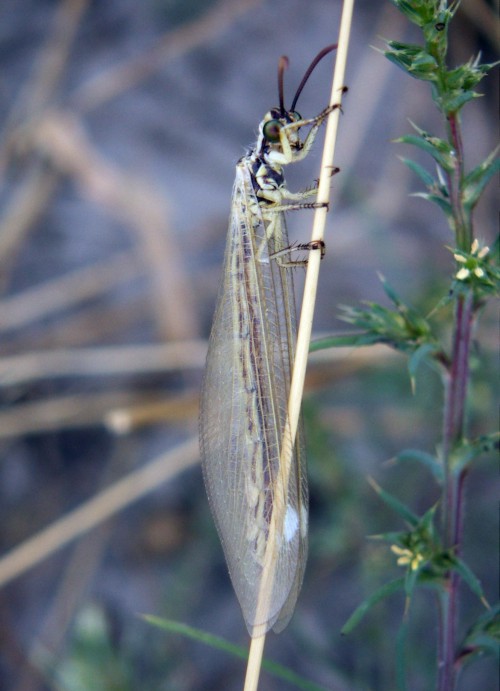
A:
{"x":264,"y":175}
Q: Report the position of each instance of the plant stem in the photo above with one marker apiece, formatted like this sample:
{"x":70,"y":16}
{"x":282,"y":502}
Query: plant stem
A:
{"x":463,"y":229}
{"x":453,"y":434}
{"x":456,"y":192}
{"x":454,"y":423}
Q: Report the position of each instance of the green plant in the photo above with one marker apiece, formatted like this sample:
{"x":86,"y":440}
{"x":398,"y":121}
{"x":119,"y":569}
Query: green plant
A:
{"x":430,"y":548}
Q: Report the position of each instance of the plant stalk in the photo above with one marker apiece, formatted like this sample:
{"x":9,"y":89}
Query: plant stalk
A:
{"x":454,"y":428}
{"x":454,"y":422}
{"x":463,"y":229}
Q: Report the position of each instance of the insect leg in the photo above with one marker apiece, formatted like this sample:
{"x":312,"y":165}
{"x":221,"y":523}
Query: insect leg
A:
{"x":307,"y":246}
{"x":279,"y":208}
{"x":311,"y":135}
{"x":297,"y":196}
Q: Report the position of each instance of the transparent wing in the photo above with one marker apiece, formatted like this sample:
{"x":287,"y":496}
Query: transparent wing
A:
{"x":243,"y":412}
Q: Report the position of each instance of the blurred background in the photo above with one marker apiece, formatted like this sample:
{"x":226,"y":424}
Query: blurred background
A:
{"x":121,"y":125}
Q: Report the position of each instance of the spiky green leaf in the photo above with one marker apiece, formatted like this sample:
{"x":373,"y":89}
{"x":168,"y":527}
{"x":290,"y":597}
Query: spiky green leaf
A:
{"x":419,"y":170}
{"x":463,"y":455}
{"x":426,"y":459}
{"x":483,"y":637}
{"x":404,"y":511}
{"x":469,"y":577}
{"x":413,"y":59}
{"x":440,"y":150}
{"x":342,"y":340}
{"x":402,"y":652}
{"x":477,"y":179}
{"x":380,"y":594}
{"x":219,"y":643}
{"x":438,"y":199}
{"x":427,"y":352}
{"x":420,"y":12}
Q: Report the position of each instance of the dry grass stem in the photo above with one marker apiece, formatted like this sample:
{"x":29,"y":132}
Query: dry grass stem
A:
{"x":127,"y":75}
{"x":103,"y":361}
{"x":182,"y":408}
{"x":128,"y":360}
{"x":66,"y":291}
{"x":124,"y":411}
{"x":61,"y":137}
{"x":100,"y":322}
{"x":303,"y":341}
{"x":96,"y":510}
{"x":23,"y":209}
{"x":39,"y":90}
{"x":119,"y":411}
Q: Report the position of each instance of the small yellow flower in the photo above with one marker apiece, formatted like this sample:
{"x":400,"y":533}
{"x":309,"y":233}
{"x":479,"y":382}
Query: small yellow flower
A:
{"x":462,"y":274}
{"x":478,"y":251}
{"x":471,"y":261}
{"x":407,"y":557}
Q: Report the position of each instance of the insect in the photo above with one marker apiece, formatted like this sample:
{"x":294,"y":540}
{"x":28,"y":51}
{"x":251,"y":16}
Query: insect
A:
{"x":248,"y":371}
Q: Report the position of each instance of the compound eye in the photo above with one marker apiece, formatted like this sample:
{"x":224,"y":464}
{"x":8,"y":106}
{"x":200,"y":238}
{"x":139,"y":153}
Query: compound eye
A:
{"x":271,"y":131}
{"x":296,"y":116}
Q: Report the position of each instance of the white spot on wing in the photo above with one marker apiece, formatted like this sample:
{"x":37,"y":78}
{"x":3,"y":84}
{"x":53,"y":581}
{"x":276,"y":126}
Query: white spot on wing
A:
{"x":291,"y":523}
